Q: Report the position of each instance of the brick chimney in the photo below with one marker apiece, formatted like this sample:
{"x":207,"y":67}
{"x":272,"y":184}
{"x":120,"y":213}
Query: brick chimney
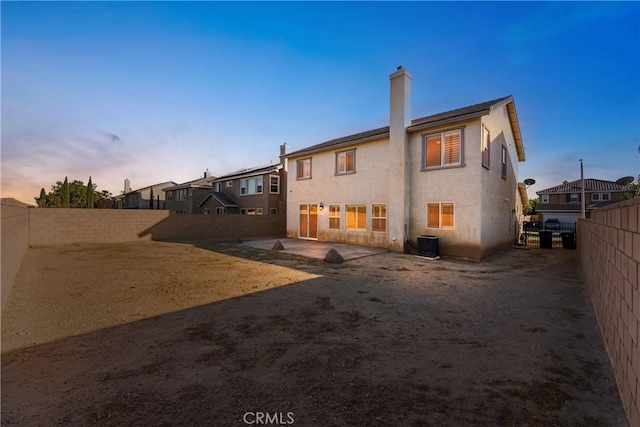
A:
{"x":399,"y":172}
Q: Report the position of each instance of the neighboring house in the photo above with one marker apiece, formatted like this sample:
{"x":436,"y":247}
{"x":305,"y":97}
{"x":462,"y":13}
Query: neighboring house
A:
{"x":452,"y":175}
{"x":255,"y":191}
{"x":186,"y":197}
{"x":562,"y":202}
{"x":140,"y":198}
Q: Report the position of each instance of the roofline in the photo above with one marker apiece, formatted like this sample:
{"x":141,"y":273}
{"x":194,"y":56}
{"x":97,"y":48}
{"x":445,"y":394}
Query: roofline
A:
{"x":311,"y":150}
{"x":522,"y":189}
{"x":349,"y":140}
{"x":149,"y":186}
{"x":515,"y":126}
{"x":240,"y":174}
{"x":181,"y":186}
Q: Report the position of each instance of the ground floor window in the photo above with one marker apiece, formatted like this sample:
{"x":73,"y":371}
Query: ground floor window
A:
{"x":441,"y":215}
{"x":356,"y":217}
{"x":273,"y":211}
{"x":379,"y":218}
{"x":220,"y":211}
{"x":334,"y":216}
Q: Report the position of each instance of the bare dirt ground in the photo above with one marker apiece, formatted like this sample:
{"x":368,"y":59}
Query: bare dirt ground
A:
{"x":175,"y":334}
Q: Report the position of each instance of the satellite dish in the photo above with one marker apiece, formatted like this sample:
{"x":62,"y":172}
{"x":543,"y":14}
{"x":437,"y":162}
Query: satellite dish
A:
{"x":529,"y":182}
{"x":625,"y":180}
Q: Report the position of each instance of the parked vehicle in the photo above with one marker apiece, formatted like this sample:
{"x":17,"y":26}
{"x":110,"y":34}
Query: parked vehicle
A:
{"x":552,"y":224}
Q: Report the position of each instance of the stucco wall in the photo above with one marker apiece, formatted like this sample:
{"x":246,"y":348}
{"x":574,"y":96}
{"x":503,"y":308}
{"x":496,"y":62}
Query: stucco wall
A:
{"x":460,"y":185}
{"x":499,"y":196}
{"x":15,"y":241}
{"x":64,"y":226}
{"x":609,"y":249}
{"x":367,"y":186}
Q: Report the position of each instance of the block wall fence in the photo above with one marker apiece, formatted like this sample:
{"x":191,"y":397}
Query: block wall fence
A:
{"x":31,"y":227}
{"x":15,"y":241}
{"x":609,"y":251}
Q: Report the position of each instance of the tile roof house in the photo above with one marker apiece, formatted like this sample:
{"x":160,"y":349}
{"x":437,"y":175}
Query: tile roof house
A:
{"x":186,"y":197}
{"x":252,"y":191}
{"x":141,"y":198}
{"x":452,"y":175}
{"x":562,"y":202}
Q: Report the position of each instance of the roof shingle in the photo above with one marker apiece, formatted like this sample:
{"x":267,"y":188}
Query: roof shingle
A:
{"x":590,"y":185}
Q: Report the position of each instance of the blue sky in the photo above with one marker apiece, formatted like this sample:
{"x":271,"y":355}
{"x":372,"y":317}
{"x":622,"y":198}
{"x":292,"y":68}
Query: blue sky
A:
{"x":186,"y":87}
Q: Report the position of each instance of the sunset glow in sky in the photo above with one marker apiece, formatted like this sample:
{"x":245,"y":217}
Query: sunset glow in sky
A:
{"x":158,"y":91}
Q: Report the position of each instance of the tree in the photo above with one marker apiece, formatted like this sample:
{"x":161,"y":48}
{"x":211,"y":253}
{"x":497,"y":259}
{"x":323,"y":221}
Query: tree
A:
{"x":151,"y":199}
{"x":42,"y":201}
{"x":90,"y":194}
{"x":76,"y":194}
{"x":631,"y":192}
{"x":530,"y":209}
{"x":65,"y":194}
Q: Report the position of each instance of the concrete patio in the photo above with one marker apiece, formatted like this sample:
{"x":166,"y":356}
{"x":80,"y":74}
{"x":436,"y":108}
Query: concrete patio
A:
{"x":315,"y":249}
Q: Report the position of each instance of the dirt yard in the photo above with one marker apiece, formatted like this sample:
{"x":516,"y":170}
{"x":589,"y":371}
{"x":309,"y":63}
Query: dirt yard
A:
{"x":175,"y":334}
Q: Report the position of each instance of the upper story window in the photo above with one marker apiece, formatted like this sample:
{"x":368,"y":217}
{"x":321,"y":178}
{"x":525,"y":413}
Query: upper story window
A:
{"x":485,"y":147}
{"x":600,"y":197}
{"x":304,"y":168}
{"x":169,"y":196}
{"x":504,"y":162}
{"x":443,"y":149}
{"x":228,"y":184}
{"x":251,"y":186}
{"x":346,"y":162}
{"x":274,"y":184}
{"x":544,"y":198}
{"x":181,"y":194}
{"x":216,"y":187}
{"x":574,"y":197}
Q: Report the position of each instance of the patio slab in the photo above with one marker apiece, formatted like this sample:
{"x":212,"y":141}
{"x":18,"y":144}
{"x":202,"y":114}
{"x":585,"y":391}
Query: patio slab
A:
{"x":315,"y":249}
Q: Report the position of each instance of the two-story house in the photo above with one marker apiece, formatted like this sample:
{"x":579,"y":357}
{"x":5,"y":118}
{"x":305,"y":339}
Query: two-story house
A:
{"x":141,"y":198}
{"x":186,"y":197}
{"x":452,"y":175}
{"x":563,"y":202}
{"x":253,"y":191}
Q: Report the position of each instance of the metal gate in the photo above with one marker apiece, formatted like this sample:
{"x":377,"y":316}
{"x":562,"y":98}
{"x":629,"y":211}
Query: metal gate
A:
{"x":550,"y":234}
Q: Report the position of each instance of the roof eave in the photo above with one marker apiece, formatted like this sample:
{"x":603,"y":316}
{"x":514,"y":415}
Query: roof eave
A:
{"x":461,"y":118}
{"x":342,"y":144}
{"x":515,"y":128}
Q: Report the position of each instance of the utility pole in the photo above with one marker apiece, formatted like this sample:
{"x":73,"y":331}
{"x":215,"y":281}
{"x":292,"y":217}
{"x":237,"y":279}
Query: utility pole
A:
{"x":582,"y":201}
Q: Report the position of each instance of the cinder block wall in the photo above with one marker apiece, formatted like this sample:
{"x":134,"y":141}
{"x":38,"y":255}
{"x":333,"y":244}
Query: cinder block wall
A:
{"x":15,"y":241}
{"x":63,"y":226}
{"x":609,"y":250}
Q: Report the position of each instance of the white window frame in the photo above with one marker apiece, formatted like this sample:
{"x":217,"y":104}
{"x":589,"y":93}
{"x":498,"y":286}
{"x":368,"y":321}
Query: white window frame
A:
{"x":358,"y":227}
{"x":334,"y":213}
{"x":216,"y":187}
{"x":345,"y":156}
{"x":442,"y":134}
{"x":440,"y":226}
{"x":305,"y":172}
{"x":228,"y":184}
{"x":573,"y":199}
{"x":485,"y":147}
{"x":246,"y":184}
{"x":544,"y":198}
{"x":271,"y":184}
{"x":259,"y":211}
{"x":378,"y":217}
{"x":504,"y":162}
{"x":601,"y":197}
